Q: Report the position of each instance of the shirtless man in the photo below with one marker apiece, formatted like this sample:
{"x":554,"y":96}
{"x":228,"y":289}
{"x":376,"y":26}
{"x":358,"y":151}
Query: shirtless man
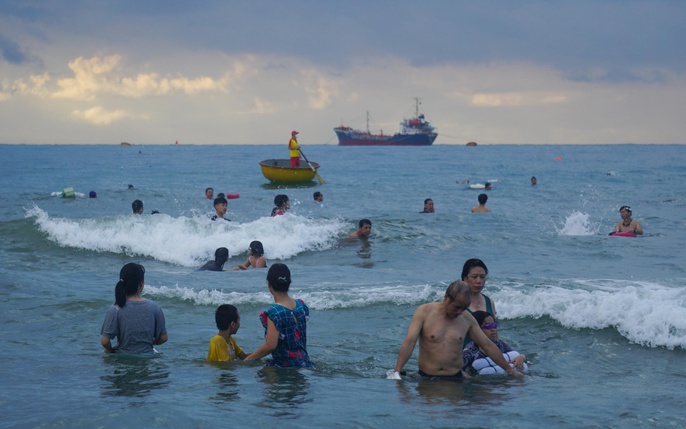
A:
{"x":364,"y":230}
{"x":481,"y":208}
{"x":627,"y":224}
{"x":441,"y":328}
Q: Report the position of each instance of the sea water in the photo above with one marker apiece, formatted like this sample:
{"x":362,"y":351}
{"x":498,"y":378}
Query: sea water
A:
{"x":601,"y":319}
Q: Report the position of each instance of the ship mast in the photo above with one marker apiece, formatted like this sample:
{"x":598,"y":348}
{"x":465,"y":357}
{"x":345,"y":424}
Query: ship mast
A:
{"x":367,"y":121}
{"x":416,"y":106}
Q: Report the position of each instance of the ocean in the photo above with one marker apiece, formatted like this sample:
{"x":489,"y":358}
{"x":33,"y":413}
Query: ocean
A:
{"x":601,"y":319}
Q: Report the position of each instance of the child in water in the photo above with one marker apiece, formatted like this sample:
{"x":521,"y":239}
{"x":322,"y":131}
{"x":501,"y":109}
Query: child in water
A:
{"x":223,"y":346}
{"x":255,"y":257}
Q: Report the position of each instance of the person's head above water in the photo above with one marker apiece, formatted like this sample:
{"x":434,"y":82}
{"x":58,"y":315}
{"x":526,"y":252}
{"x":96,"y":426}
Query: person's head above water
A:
{"x":483,"y":198}
{"x":131,"y":278}
{"x":137,"y":207}
{"x":279,"y":277}
{"x":281,"y":201}
{"x":221,"y":255}
{"x":470,"y":264}
{"x":256,"y":248}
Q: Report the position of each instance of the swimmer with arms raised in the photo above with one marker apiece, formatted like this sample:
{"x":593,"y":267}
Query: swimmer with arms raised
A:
{"x":441,"y":328}
{"x":627,"y":224}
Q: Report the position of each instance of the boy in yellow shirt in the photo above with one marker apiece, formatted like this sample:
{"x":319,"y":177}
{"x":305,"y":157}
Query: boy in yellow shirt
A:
{"x":223,"y":347}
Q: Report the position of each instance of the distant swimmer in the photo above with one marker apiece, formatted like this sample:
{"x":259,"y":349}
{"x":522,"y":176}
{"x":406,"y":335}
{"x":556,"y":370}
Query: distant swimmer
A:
{"x":281,"y":205}
{"x":131,"y":187}
{"x":428,"y":206}
{"x":533,"y":181}
{"x":137,"y":207}
{"x":318,"y":197}
{"x":221,"y":255}
{"x":364,"y":230}
{"x":92,"y":194}
{"x":219,"y":208}
{"x":627,"y":224}
{"x":481,"y":208}
{"x":487,"y":186}
{"x":255,"y":257}
{"x":209,"y":193}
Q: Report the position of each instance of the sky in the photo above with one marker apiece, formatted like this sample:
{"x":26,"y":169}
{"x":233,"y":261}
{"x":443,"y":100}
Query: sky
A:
{"x":250,"y":72}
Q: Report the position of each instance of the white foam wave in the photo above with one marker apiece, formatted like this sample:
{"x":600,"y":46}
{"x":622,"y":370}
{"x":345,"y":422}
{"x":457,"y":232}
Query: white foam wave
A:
{"x":578,"y":223}
{"x":321,"y":299}
{"x":190,"y":241}
{"x":645,"y":313}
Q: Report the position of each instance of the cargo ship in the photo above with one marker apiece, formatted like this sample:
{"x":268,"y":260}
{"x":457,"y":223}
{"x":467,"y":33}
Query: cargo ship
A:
{"x":414,"y":131}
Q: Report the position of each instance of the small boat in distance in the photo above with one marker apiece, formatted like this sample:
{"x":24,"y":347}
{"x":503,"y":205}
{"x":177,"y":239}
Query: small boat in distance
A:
{"x":280,"y":171}
{"x":415,"y":131}
{"x":125,"y":144}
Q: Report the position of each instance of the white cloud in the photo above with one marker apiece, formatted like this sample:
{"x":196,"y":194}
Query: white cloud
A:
{"x":100,"y":116}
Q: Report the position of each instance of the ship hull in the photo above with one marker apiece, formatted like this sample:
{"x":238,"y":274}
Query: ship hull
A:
{"x":364,"y":139}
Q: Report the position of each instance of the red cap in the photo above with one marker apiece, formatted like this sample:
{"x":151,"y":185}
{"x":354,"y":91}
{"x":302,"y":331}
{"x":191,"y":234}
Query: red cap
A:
{"x":294,"y":133}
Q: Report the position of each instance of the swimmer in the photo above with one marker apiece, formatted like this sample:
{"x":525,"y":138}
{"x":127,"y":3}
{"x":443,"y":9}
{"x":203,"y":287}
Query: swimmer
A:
{"x":282,"y":204}
{"x":318,"y":197}
{"x":473,"y":352}
{"x":533,"y":181}
{"x":209,"y":193}
{"x":440,"y":328}
{"x":219,"y":208}
{"x":364,"y":230}
{"x":137,"y":207}
{"x":221,"y":255}
{"x":255,"y":257}
{"x":428,"y":206}
{"x":627,"y":224}
{"x":481,"y":208}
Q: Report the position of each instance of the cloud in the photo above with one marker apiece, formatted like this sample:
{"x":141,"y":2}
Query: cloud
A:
{"x":102,"y":75}
{"x":100,"y":116}
{"x":11,"y":51}
{"x":517,"y":99}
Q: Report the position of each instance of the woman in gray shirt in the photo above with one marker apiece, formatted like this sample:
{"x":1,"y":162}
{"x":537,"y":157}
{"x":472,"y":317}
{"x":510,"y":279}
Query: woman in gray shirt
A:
{"x":136,"y":322}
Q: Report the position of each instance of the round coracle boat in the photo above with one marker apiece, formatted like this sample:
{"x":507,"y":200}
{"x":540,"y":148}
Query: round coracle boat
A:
{"x":280,"y":171}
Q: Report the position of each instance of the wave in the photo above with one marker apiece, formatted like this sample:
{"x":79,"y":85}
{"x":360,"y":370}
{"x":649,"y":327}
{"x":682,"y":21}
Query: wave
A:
{"x":646,"y":313}
{"x":189,"y":241}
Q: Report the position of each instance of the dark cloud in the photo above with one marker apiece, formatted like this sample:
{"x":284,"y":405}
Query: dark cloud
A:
{"x":11,"y":51}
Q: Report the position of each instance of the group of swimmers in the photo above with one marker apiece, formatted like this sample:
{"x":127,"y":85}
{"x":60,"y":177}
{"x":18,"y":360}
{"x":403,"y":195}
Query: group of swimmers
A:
{"x":457,"y":337}
{"x":138,"y":324}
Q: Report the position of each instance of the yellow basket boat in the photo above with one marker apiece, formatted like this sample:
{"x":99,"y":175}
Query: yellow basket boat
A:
{"x":280,"y":171}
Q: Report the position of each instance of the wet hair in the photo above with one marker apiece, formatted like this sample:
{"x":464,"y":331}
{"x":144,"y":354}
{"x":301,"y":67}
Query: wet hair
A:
{"x":316,"y":195}
{"x":426,"y":201}
{"x":459,"y":289}
{"x":280,"y":200}
{"x":225,"y":315}
{"x":364,"y":222}
{"x":481,"y":316}
{"x":220,"y":200}
{"x":469,"y":264}
{"x":221,"y":255}
{"x":209,"y":189}
{"x":627,"y":208}
{"x":136,"y":206}
{"x":256,"y":248}
{"x":483,"y":198}
{"x":279,"y":277}
{"x":130,"y":278}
